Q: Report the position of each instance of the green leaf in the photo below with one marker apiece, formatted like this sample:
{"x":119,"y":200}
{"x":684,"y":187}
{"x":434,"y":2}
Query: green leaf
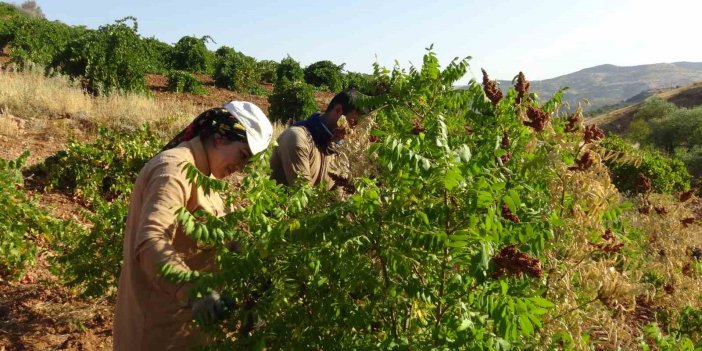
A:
{"x":464,"y":153}
{"x":525,"y":325}
{"x":510,"y":203}
{"x":423,"y":216}
{"x":456,"y":244}
{"x":453,"y":178}
{"x":541,"y":302}
{"x":465,"y":324}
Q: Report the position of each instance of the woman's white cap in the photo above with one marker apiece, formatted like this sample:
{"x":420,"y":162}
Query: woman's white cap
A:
{"x":259,"y":130}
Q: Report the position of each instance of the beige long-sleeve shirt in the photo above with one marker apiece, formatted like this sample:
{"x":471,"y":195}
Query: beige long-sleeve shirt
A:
{"x":152,"y":313}
{"x":297,"y":156}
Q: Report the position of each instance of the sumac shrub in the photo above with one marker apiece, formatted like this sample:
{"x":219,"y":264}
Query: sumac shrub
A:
{"x":235,"y":71}
{"x":91,"y":259}
{"x":35,"y":40}
{"x":20,"y":221}
{"x":291,"y":100}
{"x":325,"y":74}
{"x":190,"y":54}
{"x":419,"y":256}
{"x":158,"y":54}
{"x":105,"y":168}
{"x":101,"y":176}
{"x":184,"y":82}
{"x":358,"y":81}
{"x":289,"y":69}
{"x":110,"y":59}
{"x":267,"y":70}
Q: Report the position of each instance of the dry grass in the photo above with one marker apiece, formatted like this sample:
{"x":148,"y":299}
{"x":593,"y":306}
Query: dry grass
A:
{"x":35,"y":97}
{"x":610,"y":280}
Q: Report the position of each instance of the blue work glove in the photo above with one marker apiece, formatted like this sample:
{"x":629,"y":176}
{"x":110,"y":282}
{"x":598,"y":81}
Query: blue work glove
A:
{"x":211,"y":308}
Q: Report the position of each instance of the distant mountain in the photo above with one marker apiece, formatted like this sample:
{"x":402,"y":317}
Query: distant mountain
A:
{"x":618,"y":120}
{"x":611,"y":85}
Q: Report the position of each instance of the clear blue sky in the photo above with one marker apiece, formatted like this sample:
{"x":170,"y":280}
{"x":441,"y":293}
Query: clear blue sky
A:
{"x":543,"y":38}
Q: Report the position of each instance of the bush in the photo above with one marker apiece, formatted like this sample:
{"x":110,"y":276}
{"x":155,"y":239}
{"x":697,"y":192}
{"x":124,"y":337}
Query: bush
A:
{"x":190,"y":54}
{"x":36,"y":40}
{"x":291,"y":100}
{"x":654,"y":108}
{"x":91,"y":260}
{"x":325,"y":74}
{"x":158,"y":54}
{"x":110,"y":59}
{"x":102,"y":174}
{"x":267,"y":69}
{"x":289,"y":69}
{"x":667,"y":174}
{"x":19,"y":222}
{"x":358,"y":81}
{"x":235,"y":71}
{"x":106,"y":168}
{"x":184,"y":82}
{"x":682,"y":127}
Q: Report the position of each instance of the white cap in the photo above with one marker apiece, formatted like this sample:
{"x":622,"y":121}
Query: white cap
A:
{"x":259,"y":130}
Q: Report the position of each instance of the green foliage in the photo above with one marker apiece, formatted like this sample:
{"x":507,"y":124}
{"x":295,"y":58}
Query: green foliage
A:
{"x":110,"y":59}
{"x":667,"y":174}
{"x":325,"y":74}
{"x":405,"y":262}
{"x":655,"y":339}
{"x":35,"y":40}
{"x":654,"y":108}
{"x":91,"y":259}
{"x":681,"y":128}
{"x":105,"y":168}
{"x":289,"y":69}
{"x":638,"y":131}
{"x":690,"y":323}
{"x":20,"y":222}
{"x":358,"y":81}
{"x":267,"y":69}
{"x":184,"y":82}
{"x":190,"y":54}
{"x":158,"y":54}
{"x":235,"y":71}
{"x":291,"y":100}
{"x":102,"y":174}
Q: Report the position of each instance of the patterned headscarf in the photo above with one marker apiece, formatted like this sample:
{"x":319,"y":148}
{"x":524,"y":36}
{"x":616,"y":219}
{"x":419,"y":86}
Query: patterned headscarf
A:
{"x":214,"y":120}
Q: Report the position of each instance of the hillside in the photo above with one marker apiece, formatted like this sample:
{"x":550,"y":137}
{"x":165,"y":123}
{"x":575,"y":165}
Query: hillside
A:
{"x":609,"y":84}
{"x":619,"y":119}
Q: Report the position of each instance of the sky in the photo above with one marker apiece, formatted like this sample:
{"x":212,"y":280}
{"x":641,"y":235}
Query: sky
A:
{"x":544,"y":39}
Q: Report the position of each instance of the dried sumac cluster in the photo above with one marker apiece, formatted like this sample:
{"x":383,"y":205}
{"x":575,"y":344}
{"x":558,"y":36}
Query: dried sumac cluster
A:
{"x":645,"y":186}
{"x":469,"y":129}
{"x":687,"y":221}
{"x":507,"y":214}
{"x":522,"y":87}
{"x":505,"y":145}
{"x":343,"y":183}
{"x":609,"y":244}
{"x":491,"y":90}
{"x":696,"y":253}
{"x":593,"y":133}
{"x":417,"y":127}
{"x":584,"y":163}
{"x":537,"y":118}
{"x":514,"y":263}
{"x":687,"y":195}
{"x":574,"y":121}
